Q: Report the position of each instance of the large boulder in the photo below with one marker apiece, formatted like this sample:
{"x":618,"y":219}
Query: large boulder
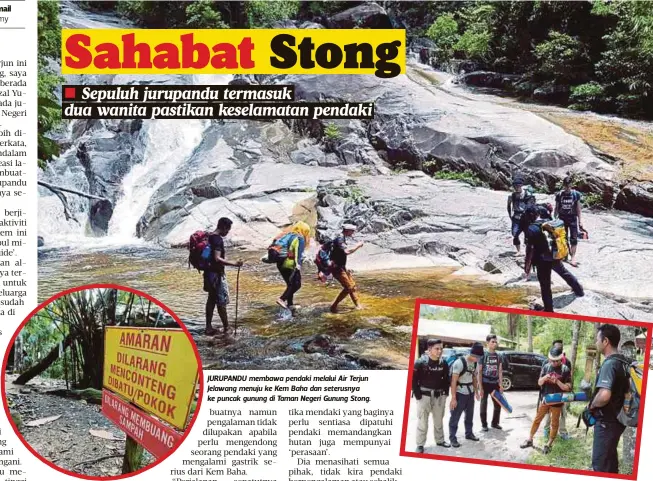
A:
{"x":636,"y":197}
{"x":418,"y":127}
{"x":368,"y":15}
{"x":260,"y":174}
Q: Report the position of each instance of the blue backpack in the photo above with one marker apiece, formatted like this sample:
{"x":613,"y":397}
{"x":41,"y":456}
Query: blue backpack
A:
{"x":278,"y":250}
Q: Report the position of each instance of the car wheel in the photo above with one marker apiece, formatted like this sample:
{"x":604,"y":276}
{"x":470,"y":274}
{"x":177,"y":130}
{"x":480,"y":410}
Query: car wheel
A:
{"x":506,"y":383}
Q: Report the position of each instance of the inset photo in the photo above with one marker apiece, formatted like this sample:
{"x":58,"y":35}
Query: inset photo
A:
{"x":518,"y":388}
{"x":102,"y":381}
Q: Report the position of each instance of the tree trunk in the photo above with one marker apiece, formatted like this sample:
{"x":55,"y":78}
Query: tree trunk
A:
{"x":18,"y":353}
{"x":112,"y":301}
{"x":47,"y":361}
{"x":629,"y":439}
{"x":597,"y":359}
{"x":530,"y":333}
{"x":512,"y":325}
{"x":574,"y":347}
{"x":133,"y":455}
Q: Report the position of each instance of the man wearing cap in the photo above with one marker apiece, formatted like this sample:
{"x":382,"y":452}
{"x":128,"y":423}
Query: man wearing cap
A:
{"x":539,"y":254}
{"x":517,"y":203}
{"x":431,"y":388}
{"x":339,"y":255}
{"x":464,"y":387}
{"x":555,"y":377}
{"x":562,"y":430}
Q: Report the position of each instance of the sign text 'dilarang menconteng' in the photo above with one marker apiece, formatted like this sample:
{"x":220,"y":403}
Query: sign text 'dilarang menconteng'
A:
{"x":266,"y":51}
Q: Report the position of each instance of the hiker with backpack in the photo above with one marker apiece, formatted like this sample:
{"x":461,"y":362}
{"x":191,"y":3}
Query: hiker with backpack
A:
{"x":545,"y":249}
{"x":323,"y":262}
{"x":207,"y":253}
{"x":518,"y":201}
{"x":464,"y":388}
{"x":554,"y":378}
{"x":430,"y":385}
{"x":608,"y":404}
{"x":568,"y":210}
{"x":562,"y":429}
{"x":290,"y":248}
{"x":339,"y":253}
{"x":490,"y":378}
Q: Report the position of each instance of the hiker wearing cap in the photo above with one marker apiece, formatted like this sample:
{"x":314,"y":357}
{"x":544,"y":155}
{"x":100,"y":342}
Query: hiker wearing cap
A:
{"x":555,"y":377}
{"x":431,"y":387}
{"x":517,"y":203}
{"x":464,"y":388}
{"x":568,"y":210}
{"x":290,"y":267}
{"x":562,"y":429}
{"x":608,"y":398}
{"x":339,"y":253}
{"x":215,"y":280}
{"x":490,"y":375}
{"x":539,"y":252}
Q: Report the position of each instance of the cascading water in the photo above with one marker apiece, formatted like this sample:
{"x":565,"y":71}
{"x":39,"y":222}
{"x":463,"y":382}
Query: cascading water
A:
{"x":168,"y":144}
{"x":165,"y":146}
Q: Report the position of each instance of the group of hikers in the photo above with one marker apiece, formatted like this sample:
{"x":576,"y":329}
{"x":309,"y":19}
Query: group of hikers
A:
{"x":551,"y":235}
{"x":287,"y":251}
{"x":475,"y":376}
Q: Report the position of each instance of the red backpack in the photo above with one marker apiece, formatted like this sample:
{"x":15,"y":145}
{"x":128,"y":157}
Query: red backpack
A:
{"x":199,"y":255}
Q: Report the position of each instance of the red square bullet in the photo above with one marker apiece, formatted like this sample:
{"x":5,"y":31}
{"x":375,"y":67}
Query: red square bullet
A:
{"x":69,"y":92}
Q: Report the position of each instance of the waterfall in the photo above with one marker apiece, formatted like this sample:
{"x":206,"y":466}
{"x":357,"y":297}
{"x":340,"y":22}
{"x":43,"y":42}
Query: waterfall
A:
{"x":162,"y":148}
{"x":168,"y":143}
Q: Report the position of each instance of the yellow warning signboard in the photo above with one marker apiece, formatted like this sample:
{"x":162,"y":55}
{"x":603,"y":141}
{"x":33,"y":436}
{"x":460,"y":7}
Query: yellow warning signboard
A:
{"x":156,"y":369}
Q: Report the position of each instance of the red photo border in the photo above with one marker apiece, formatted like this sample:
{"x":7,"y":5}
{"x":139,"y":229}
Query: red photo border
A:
{"x":510,"y":310}
{"x":82,"y":288}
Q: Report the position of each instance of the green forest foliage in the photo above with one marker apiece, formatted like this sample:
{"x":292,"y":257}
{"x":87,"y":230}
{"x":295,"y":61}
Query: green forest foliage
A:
{"x":595,"y":55}
{"x":49,"y":111}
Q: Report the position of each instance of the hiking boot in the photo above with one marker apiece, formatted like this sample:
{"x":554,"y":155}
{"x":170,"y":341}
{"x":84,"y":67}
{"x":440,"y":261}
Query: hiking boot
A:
{"x":546,"y":449}
{"x":455,"y":443}
{"x":282,"y":303}
{"x":472,"y":438}
{"x":420,"y":449}
{"x":526,"y":444}
{"x":496,"y":426}
{"x":444,"y":444}
{"x":484,"y":429}
{"x":565,"y":436}
{"x":210,"y":331}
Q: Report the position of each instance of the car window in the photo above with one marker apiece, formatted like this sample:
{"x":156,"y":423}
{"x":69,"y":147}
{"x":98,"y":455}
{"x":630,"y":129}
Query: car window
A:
{"x":535,"y":361}
{"x":520,"y":359}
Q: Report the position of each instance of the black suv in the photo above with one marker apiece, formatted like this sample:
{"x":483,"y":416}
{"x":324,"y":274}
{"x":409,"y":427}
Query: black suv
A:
{"x":521,"y":369}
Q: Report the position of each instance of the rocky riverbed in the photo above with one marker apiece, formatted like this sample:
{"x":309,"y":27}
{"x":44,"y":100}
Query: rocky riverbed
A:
{"x":164,"y":179}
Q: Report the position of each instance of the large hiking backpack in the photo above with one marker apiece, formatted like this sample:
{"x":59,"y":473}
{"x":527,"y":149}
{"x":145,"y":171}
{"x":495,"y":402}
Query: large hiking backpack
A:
{"x":520,"y":204}
{"x":558,"y":235}
{"x":199,"y":255}
{"x":278,"y":251}
{"x":629,"y":413}
{"x":323,"y":256}
{"x":567,"y":202}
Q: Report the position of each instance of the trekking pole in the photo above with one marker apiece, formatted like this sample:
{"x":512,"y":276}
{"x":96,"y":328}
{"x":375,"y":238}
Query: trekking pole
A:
{"x":237,"y":289}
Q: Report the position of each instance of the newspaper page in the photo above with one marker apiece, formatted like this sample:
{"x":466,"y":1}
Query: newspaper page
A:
{"x":325,"y":241}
